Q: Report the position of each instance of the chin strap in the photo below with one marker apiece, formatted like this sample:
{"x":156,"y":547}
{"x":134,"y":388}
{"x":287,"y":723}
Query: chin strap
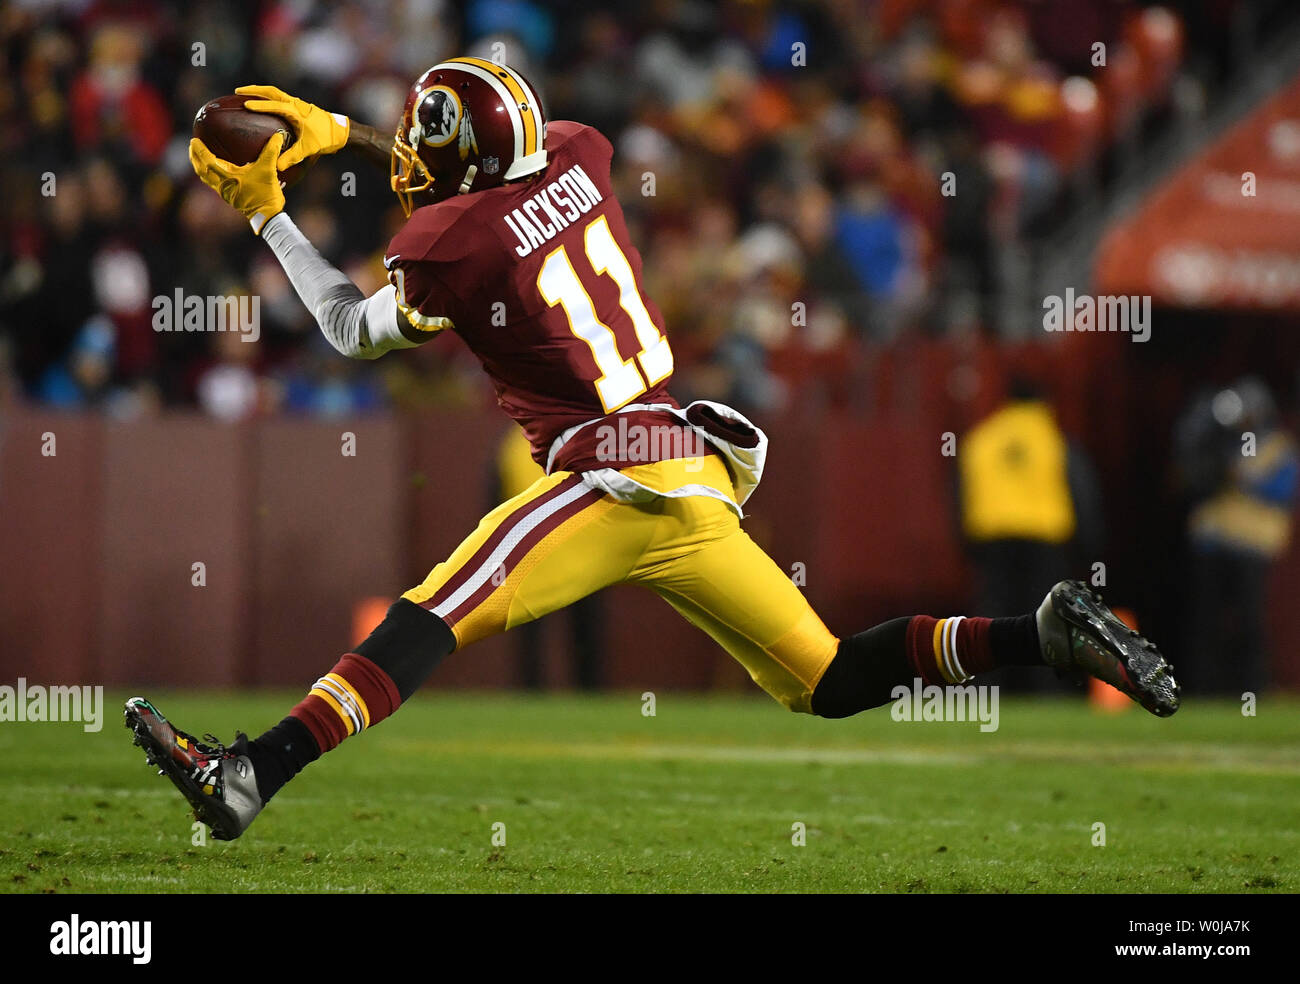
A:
{"x":471,"y":173}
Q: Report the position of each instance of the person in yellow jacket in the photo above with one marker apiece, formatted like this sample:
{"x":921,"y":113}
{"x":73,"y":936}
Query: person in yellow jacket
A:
{"x":1029,"y":509}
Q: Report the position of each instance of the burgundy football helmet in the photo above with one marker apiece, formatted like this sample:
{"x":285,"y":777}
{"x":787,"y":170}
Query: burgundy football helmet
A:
{"x":469,"y":124}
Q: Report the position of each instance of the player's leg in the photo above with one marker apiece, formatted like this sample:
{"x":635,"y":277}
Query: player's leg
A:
{"x":721,"y":581}
{"x":733,"y":591}
{"x":551,"y":545}
{"x":716,"y":577}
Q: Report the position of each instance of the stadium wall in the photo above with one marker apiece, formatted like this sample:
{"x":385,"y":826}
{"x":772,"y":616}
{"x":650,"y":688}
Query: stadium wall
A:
{"x":97,"y":583}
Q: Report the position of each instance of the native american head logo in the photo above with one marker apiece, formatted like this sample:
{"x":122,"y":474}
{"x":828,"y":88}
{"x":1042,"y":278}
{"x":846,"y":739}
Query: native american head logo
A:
{"x":437,"y":117}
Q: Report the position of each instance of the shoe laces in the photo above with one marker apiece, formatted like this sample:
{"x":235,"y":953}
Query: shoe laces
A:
{"x":215,"y":744}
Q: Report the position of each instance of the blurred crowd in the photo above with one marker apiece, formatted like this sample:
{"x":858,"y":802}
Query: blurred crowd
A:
{"x":805,"y":180}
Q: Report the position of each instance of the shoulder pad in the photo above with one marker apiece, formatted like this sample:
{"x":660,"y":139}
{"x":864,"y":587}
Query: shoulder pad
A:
{"x":585,"y":143}
{"x":436,"y":232}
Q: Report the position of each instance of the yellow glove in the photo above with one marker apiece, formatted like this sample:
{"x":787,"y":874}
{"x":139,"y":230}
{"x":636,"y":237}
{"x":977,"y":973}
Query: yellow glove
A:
{"x":319,"y":131}
{"x":253,"y":189}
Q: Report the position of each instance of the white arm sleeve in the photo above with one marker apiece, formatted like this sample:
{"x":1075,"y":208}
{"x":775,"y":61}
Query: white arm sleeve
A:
{"x":358,"y":326}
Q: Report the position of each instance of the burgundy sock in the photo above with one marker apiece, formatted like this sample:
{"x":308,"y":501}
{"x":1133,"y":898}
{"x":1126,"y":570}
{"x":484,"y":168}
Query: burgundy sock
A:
{"x":952,"y":650}
{"x":353,"y":696}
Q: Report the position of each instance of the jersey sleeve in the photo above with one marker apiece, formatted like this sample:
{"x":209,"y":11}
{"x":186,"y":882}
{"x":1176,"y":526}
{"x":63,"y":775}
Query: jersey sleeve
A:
{"x":421,"y":261}
{"x":438,"y":262}
{"x":423,"y":297}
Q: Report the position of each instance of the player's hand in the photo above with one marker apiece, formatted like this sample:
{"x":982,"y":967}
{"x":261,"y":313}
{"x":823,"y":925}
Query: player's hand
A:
{"x":319,"y":131}
{"x":253,"y":189}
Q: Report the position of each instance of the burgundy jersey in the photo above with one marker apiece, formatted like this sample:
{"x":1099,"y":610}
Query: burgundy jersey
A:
{"x":540,"y":280}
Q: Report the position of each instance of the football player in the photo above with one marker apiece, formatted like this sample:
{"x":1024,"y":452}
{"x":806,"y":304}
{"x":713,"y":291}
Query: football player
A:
{"x":515,"y":241}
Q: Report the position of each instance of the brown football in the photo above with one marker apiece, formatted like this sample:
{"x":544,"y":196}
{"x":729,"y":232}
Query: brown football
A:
{"x":237,"y":135}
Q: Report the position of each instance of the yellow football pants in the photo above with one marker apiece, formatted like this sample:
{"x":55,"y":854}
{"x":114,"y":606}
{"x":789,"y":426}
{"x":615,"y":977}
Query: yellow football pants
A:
{"x":559,"y":541}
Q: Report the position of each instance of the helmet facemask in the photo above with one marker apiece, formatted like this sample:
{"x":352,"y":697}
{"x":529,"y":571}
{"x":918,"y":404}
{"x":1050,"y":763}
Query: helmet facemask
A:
{"x":408,"y":175}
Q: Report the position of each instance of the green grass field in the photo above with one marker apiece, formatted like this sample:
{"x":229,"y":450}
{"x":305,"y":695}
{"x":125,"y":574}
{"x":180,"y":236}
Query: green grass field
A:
{"x":701,"y":797}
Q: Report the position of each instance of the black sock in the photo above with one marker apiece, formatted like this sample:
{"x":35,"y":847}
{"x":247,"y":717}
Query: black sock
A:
{"x":281,"y":754}
{"x":864,"y":672}
{"x":408,"y":645}
{"x":1014,"y":641}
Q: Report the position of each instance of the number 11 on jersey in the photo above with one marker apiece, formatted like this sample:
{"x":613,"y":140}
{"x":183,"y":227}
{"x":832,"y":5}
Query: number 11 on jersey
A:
{"x":620,"y":380}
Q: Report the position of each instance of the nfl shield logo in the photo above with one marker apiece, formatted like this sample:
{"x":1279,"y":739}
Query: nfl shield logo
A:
{"x":491,"y":165}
